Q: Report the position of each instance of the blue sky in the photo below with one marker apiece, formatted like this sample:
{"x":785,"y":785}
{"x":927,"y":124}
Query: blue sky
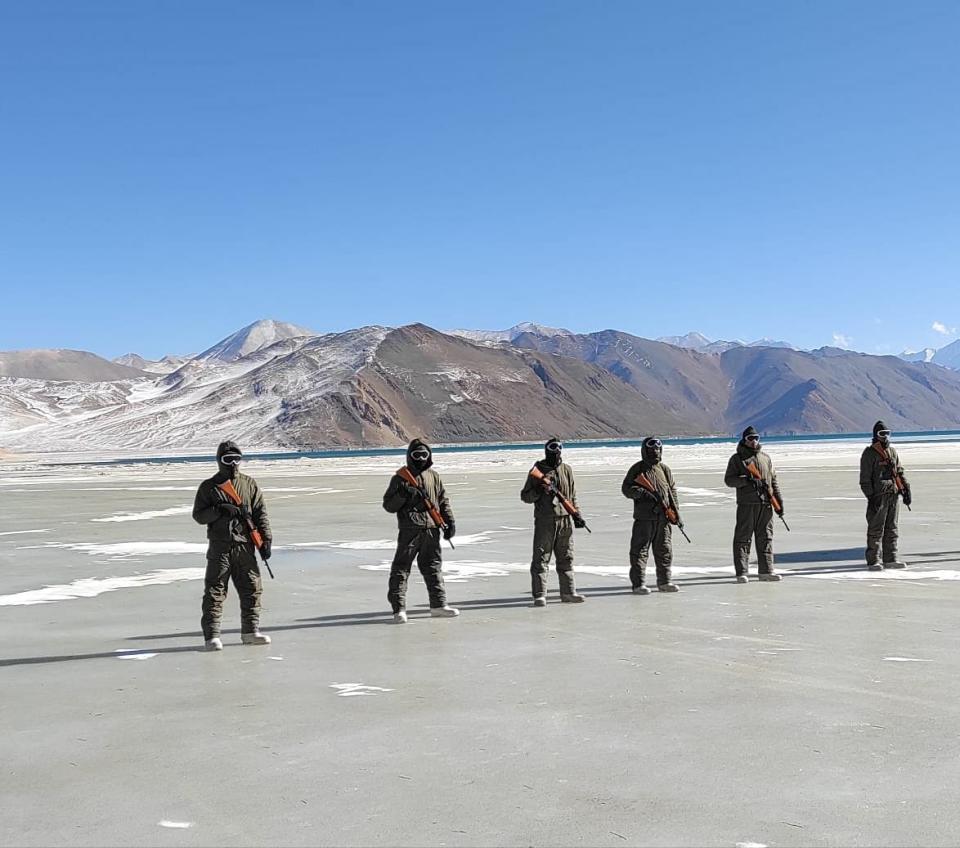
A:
{"x":171,"y":171}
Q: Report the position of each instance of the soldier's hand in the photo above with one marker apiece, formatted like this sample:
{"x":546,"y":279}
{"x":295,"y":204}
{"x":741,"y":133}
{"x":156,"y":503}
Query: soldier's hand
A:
{"x":907,"y":497}
{"x":245,"y":511}
{"x":412,"y":492}
{"x":266,"y":549}
{"x":578,"y":521}
{"x":450,"y":531}
{"x":229,"y":510}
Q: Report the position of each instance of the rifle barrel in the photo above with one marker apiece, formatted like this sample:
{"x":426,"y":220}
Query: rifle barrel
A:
{"x":784,"y":520}
{"x":685,"y":536}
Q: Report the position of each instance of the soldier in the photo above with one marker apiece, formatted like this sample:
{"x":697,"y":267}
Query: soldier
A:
{"x":419,"y":535}
{"x":230,"y":553}
{"x":552,"y":525}
{"x":879,"y":469}
{"x":650,"y":524}
{"x":754,"y":510}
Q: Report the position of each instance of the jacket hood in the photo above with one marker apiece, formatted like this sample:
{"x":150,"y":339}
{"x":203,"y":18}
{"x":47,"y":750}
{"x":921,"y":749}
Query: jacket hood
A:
{"x":877,"y":428}
{"x":744,"y":450}
{"x":650,"y":455}
{"x":417,"y":466}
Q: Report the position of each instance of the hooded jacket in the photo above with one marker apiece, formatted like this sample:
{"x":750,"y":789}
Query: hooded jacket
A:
{"x":737,"y":477}
{"x":221,"y":530}
{"x":547,"y":506}
{"x":661,"y":476}
{"x":412,"y":513}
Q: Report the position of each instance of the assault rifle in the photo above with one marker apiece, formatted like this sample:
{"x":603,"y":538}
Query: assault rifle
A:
{"x":407,"y":476}
{"x":670,"y":511}
{"x":754,"y":472}
{"x":552,"y":490}
{"x":231,"y":492}
{"x":898,"y":483}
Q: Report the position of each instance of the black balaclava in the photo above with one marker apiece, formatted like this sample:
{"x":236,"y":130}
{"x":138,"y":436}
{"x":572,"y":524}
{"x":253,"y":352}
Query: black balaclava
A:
{"x":651,"y":452}
{"x":553,"y":458}
{"x":224,"y":471}
{"x":417,"y":466}
{"x":750,"y":447}
{"x":876,"y":429}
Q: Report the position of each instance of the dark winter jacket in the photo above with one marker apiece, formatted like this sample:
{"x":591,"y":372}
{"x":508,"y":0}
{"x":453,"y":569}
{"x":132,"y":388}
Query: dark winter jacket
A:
{"x":876,"y":475}
{"x":548,"y":506}
{"x":645,"y":508}
{"x":224,"y":531}
{"x":412,"y":512}
{"x":739,"y":478}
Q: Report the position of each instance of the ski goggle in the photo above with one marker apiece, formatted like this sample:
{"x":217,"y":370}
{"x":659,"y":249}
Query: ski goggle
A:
{"x":752,"y":439}
{"x":884,"y":434}
{"x":231,"y":458}
{"x":554,"y":446}
{"x":653,"y":443}
{"x":420,"y":455}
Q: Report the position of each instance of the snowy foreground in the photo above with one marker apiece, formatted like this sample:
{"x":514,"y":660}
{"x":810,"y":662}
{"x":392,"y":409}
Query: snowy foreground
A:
{"x":817,"y":711}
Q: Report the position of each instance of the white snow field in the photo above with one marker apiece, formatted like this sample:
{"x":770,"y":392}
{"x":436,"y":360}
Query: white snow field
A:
{"x":816,"y":711}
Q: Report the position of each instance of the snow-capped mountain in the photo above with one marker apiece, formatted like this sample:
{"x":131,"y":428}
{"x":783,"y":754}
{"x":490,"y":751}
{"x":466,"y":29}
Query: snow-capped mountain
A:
{"x":153,"y":366}
{"x":698,"y":341}
{"x":925,"y":355}
{"x":510,"y":335}
{"x":381,"y":386}
{"x":949,"y":356}
{"x":252,"y":338}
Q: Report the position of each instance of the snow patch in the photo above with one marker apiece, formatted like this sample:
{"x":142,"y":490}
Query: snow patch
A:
{"x":348,"y":690}
{"x":904,"y":659}
{"x":175,"y":824}
{"x":21,"y":532}
{"x":942,"y":574}
{"x":90,"y":587}
{"x":124,"y":550}
{"x":186,"y":509}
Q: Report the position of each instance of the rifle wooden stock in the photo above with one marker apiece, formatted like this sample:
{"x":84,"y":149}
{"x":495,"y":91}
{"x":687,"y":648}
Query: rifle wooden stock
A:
{"x":898,"y":483}
{"x":673,"y":517}
{"x":777,"y":506}
{"x":552,"y":489}
{"x":406,"y":475}
{"x":231,"y":492}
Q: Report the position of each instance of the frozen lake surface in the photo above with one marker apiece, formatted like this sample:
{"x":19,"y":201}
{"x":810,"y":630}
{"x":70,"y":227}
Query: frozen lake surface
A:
{"x":816,"y":711}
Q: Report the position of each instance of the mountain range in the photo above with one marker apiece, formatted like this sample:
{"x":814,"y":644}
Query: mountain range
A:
{"x":274,"y":385}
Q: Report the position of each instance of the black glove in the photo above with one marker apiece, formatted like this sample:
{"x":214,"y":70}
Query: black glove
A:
{"x":412,"y":492}
{"x":907,"y":497}
{"x":781,"y":510}
{"x":245,"y":511}
{"x":266,"y":548}
{"x":578,"y":521}
{"x":229,"y":510}
{"x":450,"y":531}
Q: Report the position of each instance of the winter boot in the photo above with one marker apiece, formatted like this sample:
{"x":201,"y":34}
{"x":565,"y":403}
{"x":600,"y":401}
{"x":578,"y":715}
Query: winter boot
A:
{"x":255,"y":638}
{"x":573,"y":598}
{"x":742,"y":578}
{"x":641,"y":590}
{"x":400,"y":617}
{"x":213,"y":644}
{"x":895,"y":564}
{"x":444,"y":612}
{"x":770,"y":577}
{"x":668,"y":587}
{"x":540,"y":601}
{"x":874,"y":566}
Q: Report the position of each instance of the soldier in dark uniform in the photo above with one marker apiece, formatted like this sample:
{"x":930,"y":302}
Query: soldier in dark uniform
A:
{"x":552,"y":526}
{"x":754,"y":510}
{"x":231,"y":554}
{"x":650,"y":525}
{"x":419,"y":536}
{"x":879,"y":465}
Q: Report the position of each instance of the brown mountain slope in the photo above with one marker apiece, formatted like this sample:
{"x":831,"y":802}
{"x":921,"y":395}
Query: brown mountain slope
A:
{"x":68,"y":365}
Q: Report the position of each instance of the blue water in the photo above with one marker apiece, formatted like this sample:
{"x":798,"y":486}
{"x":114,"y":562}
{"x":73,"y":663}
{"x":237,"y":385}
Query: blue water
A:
{"x":900,"y":438}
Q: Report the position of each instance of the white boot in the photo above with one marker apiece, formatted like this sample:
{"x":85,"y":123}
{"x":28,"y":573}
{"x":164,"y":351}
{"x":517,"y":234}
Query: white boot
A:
{"x":444,"y":612}
{"x":540,"y":601}
{"x":742,"y":578}
{"x":213,"y":644}
{"x":400,"y":617}
{"x":255,"y":638}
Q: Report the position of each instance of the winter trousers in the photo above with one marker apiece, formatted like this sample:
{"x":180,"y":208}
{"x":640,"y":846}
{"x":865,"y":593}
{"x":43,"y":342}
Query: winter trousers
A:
{"x":647,"y":533}
{"x":423,"y":545}
{"x":754,"y":521}
{"x":237,"y":562}
{"x":552,"y":536}
{"x":882,"y":514}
